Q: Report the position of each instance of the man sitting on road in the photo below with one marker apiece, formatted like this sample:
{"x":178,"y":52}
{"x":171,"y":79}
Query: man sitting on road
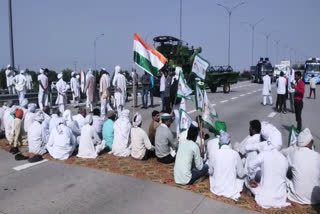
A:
{"x":108,"y":130}
{"x":80,"y":117}
{"x":226,"y":170}
{"x":55,"y":118}
{"x":141,"y":147}
{"x":90,"y":144}
{"x":97,"y":121}
{"x":29,"y":116}
{"x":189,"y":166}
{"x":155,"y":123}
{"x":304,"y":168}
{"x":165,"y":144}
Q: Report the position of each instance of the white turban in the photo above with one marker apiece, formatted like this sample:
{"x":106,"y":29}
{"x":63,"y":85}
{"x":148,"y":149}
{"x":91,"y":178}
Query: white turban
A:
{"x":60,"y":75}
{"x":195,"y":124}
{"x":117,"y":69}
{"x":103,"y":69}
{"x":8,"y":66}
{"x":67,"y":115}
{"x":78,"y":76}
{"x":24,"y":103}
{"x":304,"y":137}
{"x":224,"y":138}
{"x":125,"y":113}
{"x":137,"y":120}
{"x":90,"y":71}
{"x":88,"y":119}
{"x":39,"y":116}
{"x":72,"y":73}
{"x":41,"y":71}
{"x":32,"y":107}
{"x":22,"y":71}
{"x":272,"y":135}
{"x":59,"y":122}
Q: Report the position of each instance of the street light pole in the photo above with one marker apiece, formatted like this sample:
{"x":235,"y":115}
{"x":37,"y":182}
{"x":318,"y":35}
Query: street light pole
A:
{"x":95,"y":53}
{"x":253,"y":27}
{"x":229,"y":11}
{"x":180,"y":19}
{"x":267,"y":42}
{"x":11,"y":34}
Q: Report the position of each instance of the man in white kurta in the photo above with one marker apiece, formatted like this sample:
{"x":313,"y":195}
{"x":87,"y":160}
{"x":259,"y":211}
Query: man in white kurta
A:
{"x":80,"y":117}
{"x":62,"y":142}
{"x":35,"y":135}
{"x":271,"y":191}
{"x":10,"y":76}
{"x":120,"y":88}
{"x":29,"y":84}
{"x":226,"y":170}
{"x":43,"y":89}
{"x":105,"y":93}
{"x":90,"y":144}
{"x":2,"y":112}
{"x":141,"y":147}
{"x":20,"y":82}
{"x":266,"y":90}
{"x":90,"y":89}
{"x":55,"y":118}
{"x":304,"y":164}
{"x":62,"y":88}
{"x":75,"y":89}
{"x":29,"y":116}
{"x":122,"y":127}
{"x":97,"y":122}
{"x":73,"y":125}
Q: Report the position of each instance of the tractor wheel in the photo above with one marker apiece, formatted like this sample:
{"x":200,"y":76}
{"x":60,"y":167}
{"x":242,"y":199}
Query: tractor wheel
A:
{"x":213,"y":89}
{"x":226,"y":88}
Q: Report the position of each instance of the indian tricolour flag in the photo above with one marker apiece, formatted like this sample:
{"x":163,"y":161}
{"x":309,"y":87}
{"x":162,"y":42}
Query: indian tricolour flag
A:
{"x":146,"y":57}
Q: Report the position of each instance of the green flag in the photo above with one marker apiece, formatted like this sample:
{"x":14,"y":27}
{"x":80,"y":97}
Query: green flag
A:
{"x":185,"y":120}
{"x":199,"y":97}
{"x":293,"y":135}
{"x":184,"y":91}
{"x":199,"y":67}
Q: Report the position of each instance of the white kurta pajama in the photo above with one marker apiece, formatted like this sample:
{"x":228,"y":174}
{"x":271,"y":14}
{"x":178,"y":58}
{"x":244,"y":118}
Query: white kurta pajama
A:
{"x":43,"y":92}
{"x":20,"y":82}
{"x":80,"y":120}
{"x":122,"y":127}
{"x":271,"y":192}
{"x":10,"y":76}
{"x":90,"y":89}
{"x":75,"y":89}
{"x":62,"y":88}
{"x":120,"y":86}
{"x":35,"y":137}
{"x":104,"y":90}
{"x":140,"y":143}
{"x":266,"y":90}
{"x":90,"y":144}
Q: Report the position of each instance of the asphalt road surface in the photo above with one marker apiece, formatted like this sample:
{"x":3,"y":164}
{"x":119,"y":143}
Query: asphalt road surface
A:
{"x":50,"y":187}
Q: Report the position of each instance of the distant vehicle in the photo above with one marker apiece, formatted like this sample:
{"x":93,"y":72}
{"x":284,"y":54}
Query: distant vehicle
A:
{"x":221,"y":76}
{"x":263,"y":67}
{"x":284,"y":66}
{"x":312,"y":67}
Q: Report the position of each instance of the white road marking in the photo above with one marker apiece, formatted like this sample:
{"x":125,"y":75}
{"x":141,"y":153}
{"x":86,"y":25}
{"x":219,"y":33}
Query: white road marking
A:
{"x":241,"y":95}
{"x":192,"y":111}
{"x":249,"y":93}
{"x":272,"y":114}
{"x":27,"y":165}
{"x":214,"y":104}
{"x":224,"y":101}
{"x":233,"y":98}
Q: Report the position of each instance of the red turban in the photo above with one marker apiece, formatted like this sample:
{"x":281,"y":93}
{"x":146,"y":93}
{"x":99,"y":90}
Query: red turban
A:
{"x":19,"y":113}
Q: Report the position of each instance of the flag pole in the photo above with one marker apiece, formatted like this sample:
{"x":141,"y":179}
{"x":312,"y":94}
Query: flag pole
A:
{"x":201,"y":136}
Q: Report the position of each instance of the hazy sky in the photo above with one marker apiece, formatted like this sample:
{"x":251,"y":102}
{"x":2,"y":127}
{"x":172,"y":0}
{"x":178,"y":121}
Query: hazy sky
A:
{"x":57,"y":33}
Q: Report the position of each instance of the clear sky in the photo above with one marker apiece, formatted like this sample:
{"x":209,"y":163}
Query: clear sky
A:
{"x":58,"y":33}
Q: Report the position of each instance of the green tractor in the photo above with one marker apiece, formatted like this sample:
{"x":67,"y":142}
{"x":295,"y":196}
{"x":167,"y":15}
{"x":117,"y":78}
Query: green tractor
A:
{"x":180,"y":53}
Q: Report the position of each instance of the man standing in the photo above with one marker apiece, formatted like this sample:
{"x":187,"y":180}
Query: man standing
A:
{"x":298,"y":98}
{"x":313,"y":85}
{"x":120,"y":88}
{"x":165,"y":144}
{"x":43,"y":89}
{"x":135,"y":80}
{"x":20,"y":82}
{"x":290,"y":89}
{"x":75,"y":89}
{"x":104,"y":89}
{"x":29,"y":84}
{"x":10,"y":76}
{"x":90,"y":89}
{"x":146,"y":82}
{"x":162,"y":88}
{"x":266,"y":90}
{"x":167,"y":100}
{"x":281,"y":91}
{"x":62,"y":88}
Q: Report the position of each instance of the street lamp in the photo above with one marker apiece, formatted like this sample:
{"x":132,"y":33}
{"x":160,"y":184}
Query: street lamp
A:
{"x":94,"y":47}
{"x":229,"y":11}
{"x":267,"y":35}
{"x":180,"y":19}
{"x":11,"y":34}
{"x":253,"y":26}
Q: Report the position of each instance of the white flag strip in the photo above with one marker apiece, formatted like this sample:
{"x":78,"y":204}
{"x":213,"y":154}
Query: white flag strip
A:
{"x":200,"y":66}
{"x":293,"y":135}
{"x":209,"y":113}
{"x":185,"y":120}
{"x":199,"y":97}
{"x":208,"y":106}
{"x":184,"y":91}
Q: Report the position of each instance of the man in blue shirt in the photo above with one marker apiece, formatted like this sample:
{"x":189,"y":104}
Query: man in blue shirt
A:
{"x":107,"y":130}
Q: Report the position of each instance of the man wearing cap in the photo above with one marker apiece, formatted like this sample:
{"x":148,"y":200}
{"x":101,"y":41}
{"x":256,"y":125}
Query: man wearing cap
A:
{"x":43,"y":89}
{"x":62,"y":142}
{"x":10,"y":76}
{"x":119,"y":83}
{"x":189,"y":167}
{"x":266,"y":90}
{"x":304,"y":168}
{"x":62,"y":88}
{"x":29,"y":116}
{"x":270,"y":189}
{"x":90,"y":143}
{"x":20,"y":82}
{"x":108,"y":129}
{"x":90,"y":89}
{"x":35,"y":135}
{"x":75,"y":89}
{"x":104,"y":90}
{"x":141,"y":147}
{"x":226,"y":171}
{"x":155,"y":123}
{"x":165,"y":144}
{"x":80,"y":117}
{"x":18,"y":139}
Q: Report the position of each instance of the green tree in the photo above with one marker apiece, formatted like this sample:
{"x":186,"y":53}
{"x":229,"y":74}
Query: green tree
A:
{"x":66,"y":74}
{"x":3,"y":79}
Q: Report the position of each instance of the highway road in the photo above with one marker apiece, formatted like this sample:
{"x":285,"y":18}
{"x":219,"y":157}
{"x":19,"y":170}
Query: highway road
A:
{"x":51,"y":187}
